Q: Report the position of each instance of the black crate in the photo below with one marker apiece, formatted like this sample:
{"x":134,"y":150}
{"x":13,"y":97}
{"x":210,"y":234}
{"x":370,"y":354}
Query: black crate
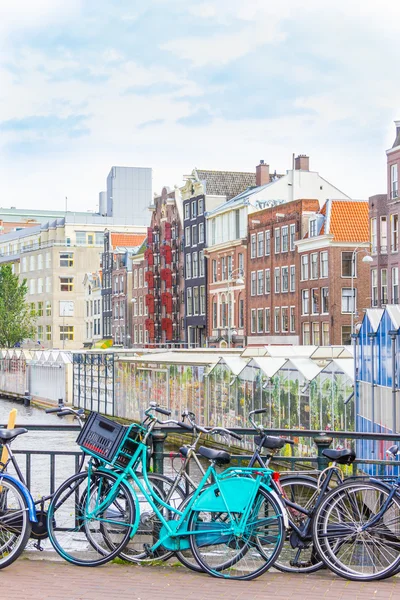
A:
{"x":101,"y":436}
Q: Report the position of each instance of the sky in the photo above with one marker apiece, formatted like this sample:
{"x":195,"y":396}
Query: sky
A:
{"x":179,"y":84}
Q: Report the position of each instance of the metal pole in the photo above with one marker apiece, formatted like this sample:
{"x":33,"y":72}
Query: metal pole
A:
{"x":229,"y":314}
{"x":352,"y":290}
{"x":372,"y":337}
{"x":393,"y":335}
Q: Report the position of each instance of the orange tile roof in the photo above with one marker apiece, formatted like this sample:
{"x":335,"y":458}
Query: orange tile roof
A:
{"x":127,"y":240}
{"x":348,"y":220}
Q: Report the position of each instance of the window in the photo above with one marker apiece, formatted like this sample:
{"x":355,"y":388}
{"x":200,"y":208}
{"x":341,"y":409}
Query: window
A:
{"x":189,"y":303}
{"x":306,"y":334}
{"x":66,"y":259}
{"x":347,"y":264}
{"x":213,"y":231}
{"x":187,"y":236}
{"x":66,"y":333}
{"x":202,"y":300}
{"x":260,"y":283}
{"x":187,"y":211}
{"x":40,"y":286}
{"x":237,"y":224}
{"x":346,"y":335}
{"x":135,"y":279}
{"x":267,"y":320}
{"x":305,"y":299}
{"x":99,"y":238}
{"x":140,"y":281}
{"x":116,"y":285}
{"x":188,"y":266}
{"x":253,"y":320}
{"x":32,"y":263}
{"x":324,"y":264}
{"x":80,"y":238}
{"x":48,"y":308}
{"x":40,"y":333}
{"x":312,"y":227}
{"x":229,"y":267}
{"x":276,"y":319}
{"x":292,"y":236}
{"x":277,"y":280}
{"x":384,"y":287}
{"x":393,"y":181}
{"x":374,"y":287}
{"x":292,"y":278}
{"x":66,"y":284}
{"x":194,"y":209}
{"x":348,"y":300}
{"x":267,"y":281}
{"x":194,"y":235}
{"x":224,"y":308}
{"x":285,"y":319}
{"x":140,"y":334}
{"x":48,"y":333}
{"x":395,"y":285}
{"x":48,"y":260}
{"x":253,"y":245}
{"x":201,"y":206}
{"x":267,"y":242}
{"x":223,"y":268}
{"x":325,"y":334}
{"x":241,"y":263}
{"x":40,"y":262}
{"x":214,"y":270}
{"x":394,"y":232}
{"x":201,"y":263}
{"x":292,"y":319}
{"x":314,"y":301}
{"x":23,"y":265}
{"x":260,"y":320}
{"x":314,"y":266}
{"x":260,"y":244}
{"x":116,"y":310}
{"x":277,"y":236}
{"x":201,"y":233}
{"x":374,"y":236}
{"x":215,"y":314}
{"x":140,"y":306}
{"x":40,"y":309}
{"x":195,"y":265}
{"x":285,"y":238}
{"x":285,"y":279}
{"x":253,"y":283}
{"x":315,"y":334}
{"x":324,"y":300}
{"x":196,"y":300}
{"x":241,"y":313}
{"x":304,"y":267}
{"x":32,"y":286}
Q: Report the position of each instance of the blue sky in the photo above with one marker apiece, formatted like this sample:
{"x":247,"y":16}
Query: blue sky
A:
{"x":174,"y":85}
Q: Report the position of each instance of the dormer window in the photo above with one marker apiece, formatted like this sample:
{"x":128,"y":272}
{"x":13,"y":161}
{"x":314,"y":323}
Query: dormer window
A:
{"x":312,"y":228}
{"x":393,"y":183}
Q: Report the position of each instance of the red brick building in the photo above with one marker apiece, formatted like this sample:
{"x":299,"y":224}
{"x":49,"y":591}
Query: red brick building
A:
{"x":333,"y":279}
{"x":139,"y":333}
{"x":272,"y":273}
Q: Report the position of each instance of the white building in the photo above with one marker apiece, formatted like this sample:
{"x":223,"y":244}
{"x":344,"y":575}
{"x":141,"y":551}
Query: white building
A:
{"x":93,"y":320}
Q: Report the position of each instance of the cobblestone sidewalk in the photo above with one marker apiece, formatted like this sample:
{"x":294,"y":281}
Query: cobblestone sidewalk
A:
{"x":51,"y":580}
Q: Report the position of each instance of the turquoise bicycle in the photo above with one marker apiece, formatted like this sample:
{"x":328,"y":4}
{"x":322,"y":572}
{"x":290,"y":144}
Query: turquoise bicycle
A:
{"x":234,"y":527}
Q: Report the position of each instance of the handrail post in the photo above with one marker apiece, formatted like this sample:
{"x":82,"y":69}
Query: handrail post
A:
{"x":159,"y":438}
{"x":322,"y":441}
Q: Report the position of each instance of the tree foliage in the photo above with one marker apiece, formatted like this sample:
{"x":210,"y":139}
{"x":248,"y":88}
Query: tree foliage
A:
{"x":16,"y":319}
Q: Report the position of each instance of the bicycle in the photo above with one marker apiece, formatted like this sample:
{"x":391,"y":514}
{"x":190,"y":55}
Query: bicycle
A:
{"x":241,"y":545}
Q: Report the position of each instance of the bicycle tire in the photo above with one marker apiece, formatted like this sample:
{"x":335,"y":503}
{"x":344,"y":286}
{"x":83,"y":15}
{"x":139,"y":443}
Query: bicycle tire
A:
{"x":240,"y":550}
{"x":15,"y":526}
{"x":83,"y":540}
{"x":338,"y":522}
{"x":302,"y":491}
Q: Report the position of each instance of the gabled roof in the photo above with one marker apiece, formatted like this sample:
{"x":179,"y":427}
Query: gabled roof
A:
{"x":226,"y":183}
{"x":127,"y":240}
{"x":346,"y":220}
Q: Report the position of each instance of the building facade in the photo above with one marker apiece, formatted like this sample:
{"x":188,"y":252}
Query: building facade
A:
{"x":333,"y":278}
{"x":140,"y":335}
{"x":384,"y":212}
{"x":272,"y":272}
{"x":93,"y":320}
{"x":164,"y":275}
{"x":122,"y":298}
{"x":129,"y":194}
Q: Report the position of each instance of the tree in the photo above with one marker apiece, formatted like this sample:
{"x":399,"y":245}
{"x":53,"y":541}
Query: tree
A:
{"x":16,"y":319}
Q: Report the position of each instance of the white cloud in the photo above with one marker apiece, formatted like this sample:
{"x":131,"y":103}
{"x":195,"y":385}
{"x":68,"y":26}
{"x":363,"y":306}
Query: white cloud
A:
{"x":20,"y":15}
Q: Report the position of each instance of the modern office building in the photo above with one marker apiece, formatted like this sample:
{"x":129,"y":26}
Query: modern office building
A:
{"x":129,"y":194}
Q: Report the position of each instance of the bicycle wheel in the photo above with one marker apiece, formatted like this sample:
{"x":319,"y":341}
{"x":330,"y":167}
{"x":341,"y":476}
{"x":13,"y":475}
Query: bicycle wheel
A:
{"x":346,"y":547}
{"x":79,"y":532}
{"x":298,"y":555}
{"x":223,"y":553}
{"x":150,"y":525}
{"x":15,"y":526}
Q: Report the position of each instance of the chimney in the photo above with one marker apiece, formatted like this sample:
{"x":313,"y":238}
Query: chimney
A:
{"x":262,"y":173}
{"x":397,"y":140}
{"x":302,"y":163}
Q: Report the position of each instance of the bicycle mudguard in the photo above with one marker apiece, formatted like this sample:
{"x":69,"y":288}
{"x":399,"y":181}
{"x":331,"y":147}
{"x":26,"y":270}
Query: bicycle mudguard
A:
{"x":26,"y":494}
{"x":233,"y":494}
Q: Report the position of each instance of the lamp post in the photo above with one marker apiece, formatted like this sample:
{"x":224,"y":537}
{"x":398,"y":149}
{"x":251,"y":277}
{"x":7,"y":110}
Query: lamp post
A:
{"x":239,"y":279}
{"x":366,"y":259}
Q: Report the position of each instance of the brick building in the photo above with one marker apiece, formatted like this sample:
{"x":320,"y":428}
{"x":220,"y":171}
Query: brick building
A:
{"x":164,"y":276}
{"x":139,"y":333}
{"x":272,"y":273}
{"x":333,"y":279}
{"x":384,"y":231}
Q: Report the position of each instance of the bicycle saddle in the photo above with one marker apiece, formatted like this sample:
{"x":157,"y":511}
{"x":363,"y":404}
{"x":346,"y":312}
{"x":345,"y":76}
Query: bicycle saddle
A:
{"x":343,"y":457}
{"x":270,"y":442}
{"x":7,"y":435}
{"x":220,"y":457}
{"x":183,"y":450}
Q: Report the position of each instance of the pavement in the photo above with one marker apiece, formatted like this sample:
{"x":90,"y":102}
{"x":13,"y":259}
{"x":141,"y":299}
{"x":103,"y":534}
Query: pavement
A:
{"x":57,"y":580}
